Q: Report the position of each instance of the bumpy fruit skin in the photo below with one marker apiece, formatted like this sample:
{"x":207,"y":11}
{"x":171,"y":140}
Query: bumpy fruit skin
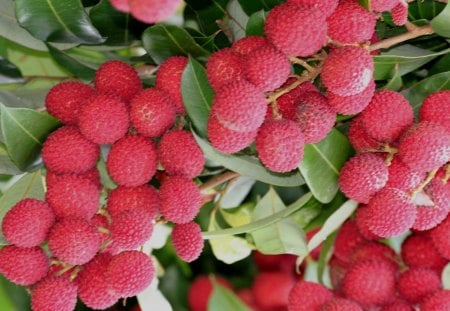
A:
{"x":150,"y":11}
{"x":120,"y":5}
{"x":363,"y":176}
{"x":308,"y":296}
{"x":315,"y":117}
{"x":103,"y":119}
{"x":27,"y":223}
{"x":402,"y":177}
{"x":93,"y":287}
{"x":383,"y":5}
{"x":132,"y":161}
{"x":435,"y":107}
{"x":118,"y":79}
{"x":347,"y":240}
{"x":223,"y":67}
{"x":440,"y":236}
{"x":130,"y":272}
{"x":74,"y":196}
{"x":168,"y":78}
{"x":425,"y":147}
{"x":67,"y":151}
{"x":130,"y":198}
{"x":245,"y":45}
{"x":201,"y":289}
{"x":363,"y":225}
{"x":268,"y":296}
{"x":23,"y":266}
{"x":180,"y":154}
{"x":347,"y":70}
{"x":187,"y":241}
{"x":352,"y":104}
{"x":280,"y":145}
{"x":325,"y":7}
{"x":438,"y":301}
{"x":360,"y":139}
{"x":280,"y":262}
{"x":131,"y":229}
{"x":400,"y":13}
{"x":65,"y":100}
{"x":391,"y":212}
{"x":387,"y":116}
{"x":180,"y":199}
{"x":374,"y":251}
{"x":287,"y":103}
{"x":239,"y":106}
{"x":295,"y":30}
{"x":93,"y":175}
{"x":340,"y":304}
{"x":267,"y":68}
{"x":74,"y":241}
{"x":398,"y":305}
{"x":152,"y":112}
{"x":370,"y":283}
{"x":419,"y":251}
{"x":338,"y":269}
{"x":54,"y":293}
{"x":417,"y":283}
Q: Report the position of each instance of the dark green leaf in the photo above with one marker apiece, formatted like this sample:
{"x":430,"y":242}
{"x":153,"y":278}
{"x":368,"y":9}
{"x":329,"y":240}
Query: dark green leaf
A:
{"x":365,"y":4}
{"x":63,"y":21}
{"x":174,"y":286}
{"x":424,"y":9}
{"x":24,"y":131}
{"x":441,"y":23}
{"x":205,"y":14}
{"x":13,"y":297}
{"x":7,"y":166}
{"x":255,"y":24}
{"x":222,"y":299}
{"x":163,"y":41}
{"x":197,"y":95}
{"x":442,"y":65}
{"x":9,"y":73}
{"x":251,"y":7}
{"x":324,"y":256}
{"x":321,"y":165}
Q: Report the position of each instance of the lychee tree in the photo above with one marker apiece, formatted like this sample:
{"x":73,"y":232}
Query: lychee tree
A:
{"x":225,"y":155}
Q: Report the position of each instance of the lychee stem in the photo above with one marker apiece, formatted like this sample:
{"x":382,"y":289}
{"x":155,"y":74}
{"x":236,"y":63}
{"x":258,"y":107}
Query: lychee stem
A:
{"x":414,"y":33}
{"x":427,"y":180}
{"x":391,"y":153}
{"x":103,"y":230}
{"x":447,"y":174}
{"x":301,"y":62}
{"x":218,"y":180}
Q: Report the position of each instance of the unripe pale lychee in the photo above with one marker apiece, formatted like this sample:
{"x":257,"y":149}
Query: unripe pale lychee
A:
{"x":440,"y":300}
{"x":340,"y":304}
{"x":360,"y":139}
{"x":419,"y":251}
{"x":187,"y":241}
{"x":54,"y":293}
{"x":93,"y":175}
{"x":201,"y":289}
{"x":435,"y":108}
{"x":347,"y":239}
{"x":352,"y":104}
{"x":325,"y":7}
{"x":399,"y":13}
{"x":27,"y":223}
{"x":150,"y":12}
{"x":67,"y":151}
{"x":307,"y":296}
{"x":402,"y":177}
{"x":440,"y":236}
{"x":245,"y":45}
{"x":417,"y":283}
{"x":269,"y":297}
{"x":223,"y":67}
{"x":130,"y":198}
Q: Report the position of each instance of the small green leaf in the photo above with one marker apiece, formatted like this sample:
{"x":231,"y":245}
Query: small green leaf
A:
{"x":7,"y":167}
{"x":222,"y":299}
{"x":321,"y":165}
{"x":255,"y":24}
{"x":197,"y":94}
{"x":163,"y":41}
{"x":24,"y":131}
{"x":9,"y":73}
{"x":441,"y":23}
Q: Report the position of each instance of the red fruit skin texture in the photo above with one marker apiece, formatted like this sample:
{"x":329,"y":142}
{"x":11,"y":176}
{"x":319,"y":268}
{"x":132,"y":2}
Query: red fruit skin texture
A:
{"x":370,"y":283}
{"x":308,"y":296}
{"x":383,"y":5}
{"x":180,"y":199}
{"x":245,"y":45}
{"x":74,"y":196}
{"x":27,"y":223}
{"x":93,"y":287}
{"x":223,"y":67}
{"x":152,"y":112}
{"x":338,"y":269}
{"x":315,"y":117}
{"x":295,"y":30}
{"x":187,"y":241}
{"x":359,"y":137}
{"x":226,"y":140}
{"x":425,"y":147}
{"x":120,"y":5}
{"x":419,"y":251}
{"x":391,"y":212}
{"x":347,"y":70}
{"x":65,"y":100}
{"x":130,"y":272}
{"x":239,"y":106}
{"x":132,"y":161}
{"x":374,"y":251}
{"x":201,"y":289}
{"x":151,"y":11}
{"x":266,"y":295}
{"x":168,"y":79}
{"x":266,"y":67}
{"x":67,"y":151}
{"x":352,"y":104}
{"x":131,"y":229}
{"x":103,"y":119}
{"x":400,"y":14}
{"x":440,"y":236}
{"x":54,"y":293}
{"x":180,"y":154}
{"x":435,"y":108}
{"x":347,"y":240}
{"x":23,"y":266}
{"x":282,"y":262}
{"x":416,"y":284}
{"x":287,"y":103}
{"x":280,"y":145}
{"x":340,"y":304}
{"x":325,"y":7}
{"x":398,"y":305}
{"x":363,"y":225}
{"x":351,"y":23}
{"x":118,"y":79}
{"x":387,"y":116}
{"x":93,"y":175}
{"x":74,"y":241}
{"x":100,"y":221}
{"x":402,"y":177}
{"x":129,"y":198}
{"x":440,"y":300}
{"x":363,"y":176}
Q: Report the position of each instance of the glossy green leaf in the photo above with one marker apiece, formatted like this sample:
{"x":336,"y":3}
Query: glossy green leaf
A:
{"x":395,"y":83}
{"x":12,"y":296}
{"x":7,"y":166}
{"x":237,"y":19}
{"x":63,"y":21}
{"x":197,"y":95}
{"x":24,"y":130}
{"x":321,"y":165}
{"x":236,"y":192}
{"x":307,"y":213}
{"x":222,"y":299}
{"x":251,"y":7}
{"x":163,"y":41}
{"x":441,"y":23}
{"x":204,"y":15}
{"x":249,"y":166}
{"x":9,"y":73}
{"x":238,"y":216}
{"x":255,"y":24}
{"x":424,"y":9}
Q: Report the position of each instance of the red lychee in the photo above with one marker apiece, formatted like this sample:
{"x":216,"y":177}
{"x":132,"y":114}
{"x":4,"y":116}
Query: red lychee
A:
{"x":398,"y":305}
{"x":383,"y":5}
{"x":129,"y":198}
{"x":93,"y":175}
{"x":419,"y":251}
{"x":308,"y":296}
{"x":374,"y":251}
{"x":287,"y":103}
{"x":54,"y":293}
{"x":340,"y":304}
{"x":200,"y":291}
{"x":435,"y":107}
{"x":440,"y":300}
{"x":402,"y":177}
{"x":325,"y":7}
{"x":150,"y":11}
{"x":399,"y":13}
{"x":347,"y":239}
{"x":352,"y":104}
{"x":440,"y":236}
{"x":187,"y":241}
{"x":223,"y":67}
{"x":417,"y":283}
{"x":362,"y":223}
{"x":280,"y":262}
{"x":267,"y":296}
{"x":360,"y":139}
{"x":245,"y":45}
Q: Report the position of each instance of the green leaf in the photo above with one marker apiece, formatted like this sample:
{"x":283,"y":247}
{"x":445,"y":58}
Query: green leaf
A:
{"x":251,"y":7}
{"x":28,"y":186}
{"x":284,"y":236}
{"x":307,"y":213}
{"x":63,"y":21}
{"x":163,"y":41}
{"x":236,"y":192}
{"x":321,"y":165}
{"x":9,"y":73}
{"x":255,"y":24}
{"x":446,"y":277}
{"x":237,"y":19}
{"x":24,"y":130}
{"x":7,"y":166}
{"x":441,"y":23}
{"x":406,"y":57}
{"x":324,"y":256}
{"x":424,"y":9}
{"x":395,"y":83}
{"x":249,"y":166}
{"x":222,"y":299}
{"x":365,"y":4}
{"x":238,"y":216}
{"x":13,"y":297}
{"x":205,"y":14}
{"x":197,"y":94}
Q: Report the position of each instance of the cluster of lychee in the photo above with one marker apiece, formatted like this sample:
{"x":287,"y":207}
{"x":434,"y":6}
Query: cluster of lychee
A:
{"x":402,"y":169}
{"x":79,"y":242}
{"x":147,"y":11}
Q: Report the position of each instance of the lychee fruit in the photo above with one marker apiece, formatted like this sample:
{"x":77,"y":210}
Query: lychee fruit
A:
{"x":245,"y":45}
{"x":150,"y":12}
{"x":325,"y":7}
{"x":266,"y":295}
{"x":347,"y":239}
{"x":419,"y":251}
{"x":352,"y":104}
{"x":363,"y":224}
{"x":383,"y":5}
{"x":440,"y":300}
{"x":338,"y":269}
{"x":223,"y":67}
{"x":280,"y":262}
{"x":201,"y":290}
{"x":54,"y":293}
{"x":360,"y":138}
{"x":402,"y":177}
{"x":287,"y":103}
{"x":374,"y":251}
{"x":417,"y":283}
{"x":399,"y":13}
{"x":440,"y":236}
{"x":307,"y":296}
{"x":434,"y":108}
{"x":129,"y":198}
{"x":398,"y":305}
{"x":340,"y":304}
{"x":187,"y":241}
{"x":93,"y":175}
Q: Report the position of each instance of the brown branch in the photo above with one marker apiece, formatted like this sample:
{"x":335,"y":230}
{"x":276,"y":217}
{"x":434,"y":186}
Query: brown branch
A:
{"x":427,"y":180}
{"x":218,"y":180}
{"x":414,"y":33}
